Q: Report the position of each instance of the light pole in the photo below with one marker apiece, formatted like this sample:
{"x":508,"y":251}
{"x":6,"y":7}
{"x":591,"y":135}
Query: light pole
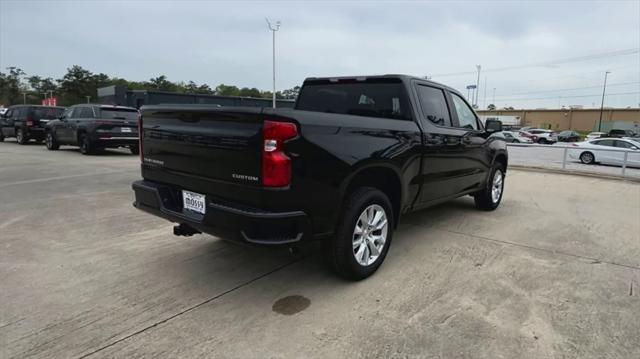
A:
{"x":604,"y":88}
{"x":88,"y":99}
{"x":494,"y":96}
{"x":274,"y":27}
{"x":24,"y":98}
{"x":478,"y":83}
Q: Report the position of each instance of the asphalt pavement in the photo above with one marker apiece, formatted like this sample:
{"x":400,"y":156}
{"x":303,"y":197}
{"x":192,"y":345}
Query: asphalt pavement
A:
{"x":554,"y":272}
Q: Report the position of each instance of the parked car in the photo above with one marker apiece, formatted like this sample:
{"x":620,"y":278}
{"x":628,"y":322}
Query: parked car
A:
{"x":544,"y":136}
{"x":528,"y":135}
{"x":515,"y":137}
{"x":94,"y":127}
{"x":2,"y":110}
{"x":594,"y":135}
{"x":342,"y":166}
{"x":620,"y":133}
{"x":526,"y":128}
{"x":594,"y":151}
{"x":26,"y":122}
{"x":568,"y":136}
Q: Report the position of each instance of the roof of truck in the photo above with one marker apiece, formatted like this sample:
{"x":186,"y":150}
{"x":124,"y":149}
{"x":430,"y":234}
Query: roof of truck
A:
{"x":402,"y":77}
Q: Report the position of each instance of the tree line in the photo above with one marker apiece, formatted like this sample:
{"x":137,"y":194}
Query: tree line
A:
{"x":17,"y":87}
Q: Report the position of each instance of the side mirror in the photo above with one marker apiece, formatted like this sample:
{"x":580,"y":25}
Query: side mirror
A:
{"x":492,"y":126}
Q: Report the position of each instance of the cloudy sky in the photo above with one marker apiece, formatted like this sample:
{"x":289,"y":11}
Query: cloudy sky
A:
{"x":535,"y":54}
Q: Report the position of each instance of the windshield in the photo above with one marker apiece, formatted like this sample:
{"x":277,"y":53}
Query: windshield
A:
{"x":119,"y":114}
{"x":383,"y":98}
{"x":47,"y":112}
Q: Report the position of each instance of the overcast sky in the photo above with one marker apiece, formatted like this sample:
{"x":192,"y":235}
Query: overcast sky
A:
{"x":228,"y":42}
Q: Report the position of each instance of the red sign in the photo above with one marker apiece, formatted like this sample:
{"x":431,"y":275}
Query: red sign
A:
{"x":51,"y":101}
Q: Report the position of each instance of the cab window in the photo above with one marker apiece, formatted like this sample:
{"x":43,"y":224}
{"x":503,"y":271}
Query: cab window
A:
{"x":466,"y":117}
{"x":434,"y":105}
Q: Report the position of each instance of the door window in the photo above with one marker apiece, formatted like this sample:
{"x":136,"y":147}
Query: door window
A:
{"x":605,"y":143}
{"x":466,"y":117}
{"x":85,"y":112}
{"x":623,"y":144}
{"x":434,"y":105}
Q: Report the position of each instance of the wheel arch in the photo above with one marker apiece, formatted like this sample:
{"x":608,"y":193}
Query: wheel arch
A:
{"x":382,"y":176}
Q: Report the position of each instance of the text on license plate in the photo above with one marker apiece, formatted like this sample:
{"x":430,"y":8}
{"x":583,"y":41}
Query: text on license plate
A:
{"x":193,"y":201}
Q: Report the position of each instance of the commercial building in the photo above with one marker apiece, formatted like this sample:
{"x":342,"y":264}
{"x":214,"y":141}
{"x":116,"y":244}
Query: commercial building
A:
{"x":120,"y":95}
{"x":575,"y":119}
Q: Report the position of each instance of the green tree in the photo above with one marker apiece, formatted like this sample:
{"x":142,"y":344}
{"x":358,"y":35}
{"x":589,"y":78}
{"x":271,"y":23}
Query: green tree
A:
{"x":491,"y":107}
{"x":224,"y":90}
{"x":78,"y":83}
{"x":11,"y":86}
{"x":162,"y":84}
{"x":292,"y":93}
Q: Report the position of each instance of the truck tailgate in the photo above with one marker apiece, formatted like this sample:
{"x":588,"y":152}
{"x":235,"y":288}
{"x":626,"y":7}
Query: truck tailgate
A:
{"x":204,"y":141}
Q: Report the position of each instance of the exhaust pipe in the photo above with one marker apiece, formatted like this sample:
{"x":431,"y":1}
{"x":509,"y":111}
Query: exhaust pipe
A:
{"x":184,"y":230}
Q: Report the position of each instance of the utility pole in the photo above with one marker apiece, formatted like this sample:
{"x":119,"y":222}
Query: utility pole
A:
{"x":484,"y":100}
{"x":604,"y":88}
{"x":274,"y":27}
{"x":494,"y":97}
{"x":88,"y":99}
{"x":24,"y":98}
{"x":478,"y":83}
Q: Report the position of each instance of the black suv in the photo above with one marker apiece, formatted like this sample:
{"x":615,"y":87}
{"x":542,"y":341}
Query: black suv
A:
{"x":25,"y":122}
{"x":94,"y":127}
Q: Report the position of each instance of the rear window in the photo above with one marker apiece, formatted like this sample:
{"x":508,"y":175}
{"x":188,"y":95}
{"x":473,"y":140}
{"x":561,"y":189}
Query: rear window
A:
{"x":119,"y":114}
{"x":49,"y":113}
{"x":385,"y":99}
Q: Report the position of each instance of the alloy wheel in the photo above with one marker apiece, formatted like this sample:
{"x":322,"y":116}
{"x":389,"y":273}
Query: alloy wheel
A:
{"x":370,"y":235}
{"x":496,"y":186}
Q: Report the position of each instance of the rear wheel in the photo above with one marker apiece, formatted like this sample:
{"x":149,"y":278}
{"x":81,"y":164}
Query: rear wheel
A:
{"x":1,"y":136}
{"x":363,"y":235}
{"x":587,"y":158}
{"x":134,"y":149}
{"x":21,"y":137}
{"x":51,"y":142}
{"x":489,"y":198}
{"x":86,"y":147}
{"x":543,"y":141}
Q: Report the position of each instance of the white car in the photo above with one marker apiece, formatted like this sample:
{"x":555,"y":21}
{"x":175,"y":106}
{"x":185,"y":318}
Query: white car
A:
{"x":515,"y":137}
{"x":544,"y":136}
{"x":594,"y":151}
{"x":594,"y":135}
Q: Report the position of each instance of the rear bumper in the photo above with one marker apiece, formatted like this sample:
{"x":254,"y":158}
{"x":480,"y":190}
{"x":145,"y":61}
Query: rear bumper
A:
{"x":115,"y":140}
{"x":224,"y":220}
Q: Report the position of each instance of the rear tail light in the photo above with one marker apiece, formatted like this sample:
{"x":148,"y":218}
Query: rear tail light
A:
{"x":140,"y":136}
{"x":29,"y":121}
{"x":276,"y":165}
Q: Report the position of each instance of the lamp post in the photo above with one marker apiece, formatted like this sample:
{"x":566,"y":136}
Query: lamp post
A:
{"x":274,"y":27}
{"x":88,"y":99}
{"x":478,"y":67}
{"x":604,"y":88}
{"x":494,"y":97}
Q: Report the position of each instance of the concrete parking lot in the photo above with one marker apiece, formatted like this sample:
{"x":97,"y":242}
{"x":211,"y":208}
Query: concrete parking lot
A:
{"x":553,"y":273}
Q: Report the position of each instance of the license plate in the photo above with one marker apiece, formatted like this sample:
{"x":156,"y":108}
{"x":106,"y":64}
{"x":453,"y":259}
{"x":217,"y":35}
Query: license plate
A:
{"x":126,"y":129}
{"x":193,"y":201}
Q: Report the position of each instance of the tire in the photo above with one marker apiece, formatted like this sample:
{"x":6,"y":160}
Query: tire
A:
{"x":516,"y":141}
{"x":587,"y":158}
{"x":543,"y":141}
{"x":21,"y":137}
{"x":490,"y":197}
{"x":86,"y":148}
{"x":1,"y":136}
{"x":134,"y":150}
{"x":51,"y":142}
{"x":361,"y":205}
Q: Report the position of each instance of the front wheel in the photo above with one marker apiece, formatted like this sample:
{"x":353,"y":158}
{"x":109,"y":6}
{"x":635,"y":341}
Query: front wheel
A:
{"x":587,"y":158}
{"x":363,"y":236}
{"x":21,"y":137}
{"x":489,"y":198}
{"x":543,"y":141}
{"x":1,"y":136}
{"x":51,"y":142}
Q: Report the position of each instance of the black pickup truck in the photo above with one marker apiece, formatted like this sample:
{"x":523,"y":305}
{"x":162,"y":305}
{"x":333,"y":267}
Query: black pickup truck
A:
{"x":342,"y":166}
{"x":94,"y":127}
